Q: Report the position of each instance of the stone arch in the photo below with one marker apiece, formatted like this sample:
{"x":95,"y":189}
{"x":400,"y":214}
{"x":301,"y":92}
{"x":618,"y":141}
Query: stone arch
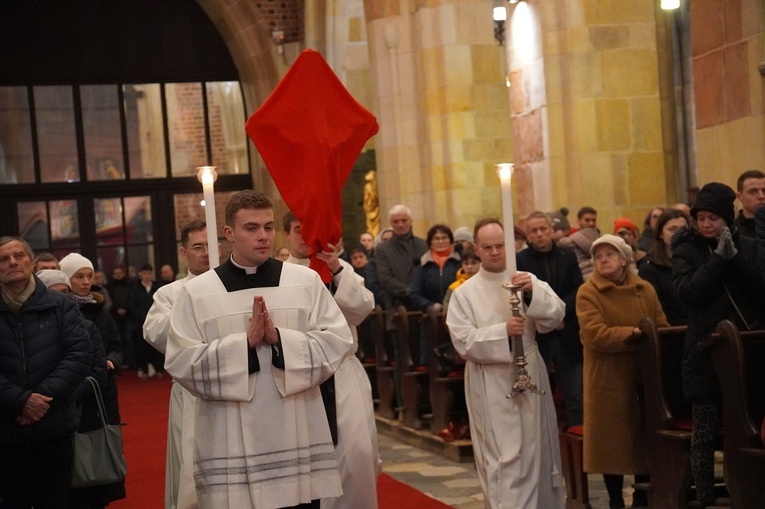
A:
{"x":247,"y":35}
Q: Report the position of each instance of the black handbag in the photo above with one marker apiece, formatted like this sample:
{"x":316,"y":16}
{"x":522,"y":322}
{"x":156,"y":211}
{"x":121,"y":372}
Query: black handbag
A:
{"x":98,"y":457}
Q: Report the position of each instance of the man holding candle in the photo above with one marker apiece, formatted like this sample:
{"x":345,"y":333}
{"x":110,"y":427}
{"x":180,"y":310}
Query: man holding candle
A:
{"x":179,"y":474}
{"x":515,"y":440}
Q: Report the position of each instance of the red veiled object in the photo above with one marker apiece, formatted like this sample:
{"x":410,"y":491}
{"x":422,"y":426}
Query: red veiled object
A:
{"x":310,"y":132}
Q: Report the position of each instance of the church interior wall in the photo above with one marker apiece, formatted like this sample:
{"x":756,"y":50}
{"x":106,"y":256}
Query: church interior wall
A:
{"x":590,"y":120}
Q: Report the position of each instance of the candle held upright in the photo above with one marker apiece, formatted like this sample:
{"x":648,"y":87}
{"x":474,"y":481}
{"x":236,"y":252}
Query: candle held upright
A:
{"x":505,"y":174}
{"x":207,"y":176}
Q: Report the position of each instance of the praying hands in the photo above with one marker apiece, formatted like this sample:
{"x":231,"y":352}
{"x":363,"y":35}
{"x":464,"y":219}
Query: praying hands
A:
{"x":261,"y":329}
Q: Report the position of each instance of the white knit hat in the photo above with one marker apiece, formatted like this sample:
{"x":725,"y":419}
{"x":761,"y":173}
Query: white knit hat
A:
{"x":463,"y":233}
{"x":73,"y":262}
{"x":615,"y":241}
{"x":53,"y":277}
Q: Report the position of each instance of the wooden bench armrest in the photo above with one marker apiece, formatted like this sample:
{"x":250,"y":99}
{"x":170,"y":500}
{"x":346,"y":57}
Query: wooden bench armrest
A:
{"x":672,"y":434}
{"x":753,"y":452}
{"x":416,"y":374}
{"x":448,"y":380}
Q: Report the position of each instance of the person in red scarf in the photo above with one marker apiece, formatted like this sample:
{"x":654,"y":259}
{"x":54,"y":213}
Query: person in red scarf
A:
{"x":438,"y":269}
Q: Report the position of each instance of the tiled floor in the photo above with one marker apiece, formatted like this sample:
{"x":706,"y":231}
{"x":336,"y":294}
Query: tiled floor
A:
{"x":456,"y":484}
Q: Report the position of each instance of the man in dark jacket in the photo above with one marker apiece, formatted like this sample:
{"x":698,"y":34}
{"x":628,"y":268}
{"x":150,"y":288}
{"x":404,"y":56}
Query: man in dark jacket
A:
{"x":559,"y":268}
{"x":751,"y":193}
{"x":120,"y":287}
{"x":45,"y":354}
{"x":150,"y":361}
{"x":395,"y":261}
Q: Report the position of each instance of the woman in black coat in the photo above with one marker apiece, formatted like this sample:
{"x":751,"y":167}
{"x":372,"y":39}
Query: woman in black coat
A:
{"x":715,"y":275}
{"x":657,"y":268}
{"x":80,"y":272}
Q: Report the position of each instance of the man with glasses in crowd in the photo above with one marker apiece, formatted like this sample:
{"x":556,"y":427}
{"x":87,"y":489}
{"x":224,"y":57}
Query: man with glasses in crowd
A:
{"x":179,"y":474}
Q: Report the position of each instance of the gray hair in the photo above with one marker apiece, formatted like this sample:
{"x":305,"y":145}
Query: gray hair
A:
{"x":400,"y":209}
{"x":8,"y":238}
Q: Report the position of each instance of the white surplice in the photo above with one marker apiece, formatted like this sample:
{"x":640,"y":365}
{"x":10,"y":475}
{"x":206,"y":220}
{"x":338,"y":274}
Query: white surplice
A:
{"x":180,"y":492}
{"x":515,"y":440}
{"x":357,"y":451}
{"x":262,"y":439}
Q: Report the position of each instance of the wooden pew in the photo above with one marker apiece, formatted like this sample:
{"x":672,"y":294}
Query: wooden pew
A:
{"x":739,"y":359}
{"x":571,"y":452}
{"x":666,"y":415}
{"x":366,"y":353}
{"x":414,"y":377}
{"x":386,"y":388}
{"x":445,"y":388}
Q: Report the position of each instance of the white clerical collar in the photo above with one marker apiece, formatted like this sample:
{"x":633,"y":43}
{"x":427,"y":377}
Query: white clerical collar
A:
{"x":305,"y":262}
{"x":247,"y":270}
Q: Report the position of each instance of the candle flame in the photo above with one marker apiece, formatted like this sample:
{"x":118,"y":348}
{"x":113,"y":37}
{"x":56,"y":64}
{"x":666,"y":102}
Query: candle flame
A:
{"x":505,"y":171}
{"x":207,"y":175}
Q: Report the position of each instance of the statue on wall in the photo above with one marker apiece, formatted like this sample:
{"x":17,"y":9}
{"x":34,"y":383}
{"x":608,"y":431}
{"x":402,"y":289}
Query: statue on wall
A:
{"x":371,"y":203}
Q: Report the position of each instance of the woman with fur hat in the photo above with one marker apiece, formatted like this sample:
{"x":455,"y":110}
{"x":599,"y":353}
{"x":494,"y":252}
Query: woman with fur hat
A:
{"x":610,"y":305}
{"x":79,"y":270}
{"x":715,"y":275}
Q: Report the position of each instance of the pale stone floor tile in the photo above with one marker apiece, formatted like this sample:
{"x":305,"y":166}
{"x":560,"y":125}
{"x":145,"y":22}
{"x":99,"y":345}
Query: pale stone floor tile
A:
{"x":404,"y":467}
{"x":463,"y":483}
{"x":456,"y":502}
{"x":456,"y":484}
{"x":442,"y":471}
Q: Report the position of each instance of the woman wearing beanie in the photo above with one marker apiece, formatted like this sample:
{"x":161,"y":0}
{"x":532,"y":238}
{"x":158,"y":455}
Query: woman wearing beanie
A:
{"x":610,"y":305}
{"x":79,"y":270}
{"x":714,"y":273}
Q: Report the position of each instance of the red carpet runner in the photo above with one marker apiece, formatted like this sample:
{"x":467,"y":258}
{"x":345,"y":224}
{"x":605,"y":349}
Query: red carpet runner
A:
{"x":144,"y":406}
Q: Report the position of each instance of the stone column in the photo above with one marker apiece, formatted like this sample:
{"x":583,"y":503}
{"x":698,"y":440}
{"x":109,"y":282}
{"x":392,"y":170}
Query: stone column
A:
{"x":606,"y":101}
{"x":441,"y":100}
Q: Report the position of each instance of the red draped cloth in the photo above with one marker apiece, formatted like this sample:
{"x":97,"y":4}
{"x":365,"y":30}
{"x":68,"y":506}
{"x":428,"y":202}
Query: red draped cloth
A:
{"x":310,"y":132}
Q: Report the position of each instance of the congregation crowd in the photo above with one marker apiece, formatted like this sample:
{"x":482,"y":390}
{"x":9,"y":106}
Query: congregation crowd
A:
{"x":261,"y":347}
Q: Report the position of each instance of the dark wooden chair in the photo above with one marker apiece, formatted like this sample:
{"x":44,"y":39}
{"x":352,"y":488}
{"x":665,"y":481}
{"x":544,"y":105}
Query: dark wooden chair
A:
{"x":666,"y":415}
{"x":445,"y":388}
{"x":571,"y":451}
{"x":366,"y":352}
{"x":414,"y":376}
{"x":386,"y":389}
{"x":739,"y":359}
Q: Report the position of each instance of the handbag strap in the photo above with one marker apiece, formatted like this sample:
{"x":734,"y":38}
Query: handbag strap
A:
{"x":99,"y":399}
{"x":738,"y":311}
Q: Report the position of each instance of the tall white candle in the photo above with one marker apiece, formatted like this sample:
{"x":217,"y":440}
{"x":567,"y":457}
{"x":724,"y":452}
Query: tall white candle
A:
{"x":207,"y":177}
{"x":505,"y":173}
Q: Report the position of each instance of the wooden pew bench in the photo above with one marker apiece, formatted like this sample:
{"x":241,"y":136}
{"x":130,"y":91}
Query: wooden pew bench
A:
{"x":366,"y":353}
{"x":666,"y":415}
{"x":739,"y":359}
{"x":571,"y":451}
{"x":414,"y":376}
{"x":446,"y":388}
{"x":386,"y":388}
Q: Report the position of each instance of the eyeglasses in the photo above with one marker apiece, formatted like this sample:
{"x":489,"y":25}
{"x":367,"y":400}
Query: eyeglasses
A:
{"x":198,"y":248}
{"x":488,"y":248}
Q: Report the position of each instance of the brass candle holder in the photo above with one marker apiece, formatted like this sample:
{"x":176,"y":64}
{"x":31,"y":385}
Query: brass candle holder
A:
{"x":523,"y":381}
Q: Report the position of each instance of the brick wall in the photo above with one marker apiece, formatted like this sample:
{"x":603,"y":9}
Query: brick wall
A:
{"x":284,"y":15}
